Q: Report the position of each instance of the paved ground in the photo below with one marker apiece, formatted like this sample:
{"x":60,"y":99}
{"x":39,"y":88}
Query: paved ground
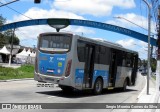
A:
{"x":27,"y":92}
{"x":12,"y":65}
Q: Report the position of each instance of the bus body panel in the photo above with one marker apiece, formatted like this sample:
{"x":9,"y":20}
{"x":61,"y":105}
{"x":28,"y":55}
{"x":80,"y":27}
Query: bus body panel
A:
{"x":52,"y":64}
{"x":122,"y":74}
{"x":79,"y":77}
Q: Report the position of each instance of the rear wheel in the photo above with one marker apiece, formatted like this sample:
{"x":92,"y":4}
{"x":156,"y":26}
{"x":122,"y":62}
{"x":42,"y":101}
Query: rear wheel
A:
{"x":98,"y":86}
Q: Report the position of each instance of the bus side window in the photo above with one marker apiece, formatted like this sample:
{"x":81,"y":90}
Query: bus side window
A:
{"x":119,"y":58}
{"x":81,"y":51}
{"x":97,"y":55}
{"x":102,"y":58}
{"x":102,"y":50}
{"x":102,"y":55}
{"x":128,"y":60}
{"x":124,"y":59}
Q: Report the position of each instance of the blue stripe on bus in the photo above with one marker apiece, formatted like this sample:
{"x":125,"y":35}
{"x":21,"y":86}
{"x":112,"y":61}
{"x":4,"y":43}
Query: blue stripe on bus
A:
{"x":79,"y":76}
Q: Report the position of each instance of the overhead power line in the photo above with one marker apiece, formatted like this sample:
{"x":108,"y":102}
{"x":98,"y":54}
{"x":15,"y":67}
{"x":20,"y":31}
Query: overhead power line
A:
{"x":16,"y":11}
{"x":8,"y":3}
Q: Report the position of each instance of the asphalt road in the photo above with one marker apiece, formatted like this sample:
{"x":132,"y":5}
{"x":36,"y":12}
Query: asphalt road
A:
{"x":26,"y":91}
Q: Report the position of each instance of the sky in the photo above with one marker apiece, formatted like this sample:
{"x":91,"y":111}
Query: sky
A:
{"x":95,"y":10}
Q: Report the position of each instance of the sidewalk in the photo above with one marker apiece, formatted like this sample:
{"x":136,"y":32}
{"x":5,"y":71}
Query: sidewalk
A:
{"x":9,"y":80}
{"x":153,"y":96}
{"x":11,"y":66}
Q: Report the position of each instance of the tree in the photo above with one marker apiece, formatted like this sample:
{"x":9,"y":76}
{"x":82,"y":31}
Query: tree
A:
{"x":2,"y":40}
{"x":153,"y":64}
{"x":2,"y":20}
{"x":5,"y":38}
{"x":8,"y":34}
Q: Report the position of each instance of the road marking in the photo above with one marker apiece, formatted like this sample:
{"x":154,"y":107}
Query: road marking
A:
{"x":51,"y":96}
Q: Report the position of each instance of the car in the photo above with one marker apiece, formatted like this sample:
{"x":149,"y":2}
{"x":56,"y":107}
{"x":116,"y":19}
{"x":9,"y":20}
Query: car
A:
{"x":144,"y":72}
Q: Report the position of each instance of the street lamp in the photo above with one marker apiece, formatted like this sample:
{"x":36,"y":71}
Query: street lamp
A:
{"x":119,"y":17}
{"x":149,"y":30}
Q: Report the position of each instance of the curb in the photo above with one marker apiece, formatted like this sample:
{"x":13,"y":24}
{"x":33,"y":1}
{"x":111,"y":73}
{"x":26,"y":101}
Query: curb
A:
{"x":156,"y":94}
{"x":16,"y":79}
{"x":156,"y":101}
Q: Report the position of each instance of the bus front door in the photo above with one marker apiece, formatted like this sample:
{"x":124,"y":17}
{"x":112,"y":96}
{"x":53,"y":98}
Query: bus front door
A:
{"x":113,"y":69}
{"x":134,"y":69}
{"x":89,"y":65}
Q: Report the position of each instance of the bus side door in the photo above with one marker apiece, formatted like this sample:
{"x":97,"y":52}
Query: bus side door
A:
{"x":134,"y":69}
{"x":113,"y":68}
{"x":89,"y":65}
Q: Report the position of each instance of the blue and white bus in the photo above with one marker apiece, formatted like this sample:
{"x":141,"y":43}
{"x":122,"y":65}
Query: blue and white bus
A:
{"x":76,"y":62}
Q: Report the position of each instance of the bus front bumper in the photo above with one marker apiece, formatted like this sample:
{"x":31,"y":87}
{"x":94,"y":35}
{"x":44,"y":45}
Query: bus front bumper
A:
{"x":47,"y":79}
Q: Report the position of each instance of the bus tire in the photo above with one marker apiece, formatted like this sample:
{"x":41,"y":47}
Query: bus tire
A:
{"x":124,"y":85}
{"x":98,"y":86}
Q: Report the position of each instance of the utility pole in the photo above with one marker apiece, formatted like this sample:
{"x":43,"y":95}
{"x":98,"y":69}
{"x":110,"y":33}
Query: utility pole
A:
{"x":149,"y":31}
{"x":10,"y":58}
{"x":158,"y":52}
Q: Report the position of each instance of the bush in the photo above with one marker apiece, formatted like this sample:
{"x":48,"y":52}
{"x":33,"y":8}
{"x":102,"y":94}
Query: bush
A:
{"x":25,"y":71}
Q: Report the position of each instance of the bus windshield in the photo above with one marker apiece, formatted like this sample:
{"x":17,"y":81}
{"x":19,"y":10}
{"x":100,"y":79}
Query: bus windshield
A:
{"x":55,"y":43}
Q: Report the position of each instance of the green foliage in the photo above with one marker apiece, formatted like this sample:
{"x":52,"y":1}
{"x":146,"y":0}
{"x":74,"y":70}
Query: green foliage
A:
{"x":8,"y":35}
{"x":26,"y":68}
{"x":153,"y":64}
{"x":25,"y":71}
{"x":2,"y":20}
{"x":5,"y":38}
{"x":154,"y":77}
{"x":15,"y":40}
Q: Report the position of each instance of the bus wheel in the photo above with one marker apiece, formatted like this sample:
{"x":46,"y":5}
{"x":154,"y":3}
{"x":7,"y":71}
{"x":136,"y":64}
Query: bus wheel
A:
{"x":98,"y":86}
{"x":124,"y":85}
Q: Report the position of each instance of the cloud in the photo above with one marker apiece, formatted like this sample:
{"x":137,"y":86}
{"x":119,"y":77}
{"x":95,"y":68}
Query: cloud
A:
{"x":132,"y":44}
{"x":135,"y":19}
{"x":92,"y":7}
{"x":139,"y":46}
{"x":36,"y":13}
{"x":127,"y":43}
